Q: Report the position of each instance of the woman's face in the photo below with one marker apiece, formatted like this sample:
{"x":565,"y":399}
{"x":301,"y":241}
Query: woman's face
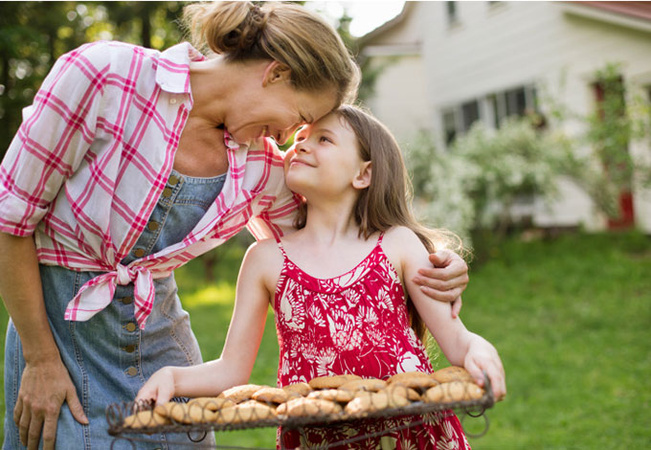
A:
{"x":274,"y":108}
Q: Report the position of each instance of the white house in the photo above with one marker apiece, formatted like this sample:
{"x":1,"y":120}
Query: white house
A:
{"x":447,"y":64}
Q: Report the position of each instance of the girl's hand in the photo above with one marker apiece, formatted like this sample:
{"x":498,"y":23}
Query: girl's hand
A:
{"x":159,"y":388}
{"x":482,"y":357}
{"x":446,"y":280}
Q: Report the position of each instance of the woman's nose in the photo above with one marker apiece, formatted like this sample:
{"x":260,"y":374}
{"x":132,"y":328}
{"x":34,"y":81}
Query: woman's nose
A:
{"x":283,"y":136}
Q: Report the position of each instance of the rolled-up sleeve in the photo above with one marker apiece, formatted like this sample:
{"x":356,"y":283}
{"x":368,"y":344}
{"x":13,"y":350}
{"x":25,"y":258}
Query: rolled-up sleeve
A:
{"x":55,"y":135}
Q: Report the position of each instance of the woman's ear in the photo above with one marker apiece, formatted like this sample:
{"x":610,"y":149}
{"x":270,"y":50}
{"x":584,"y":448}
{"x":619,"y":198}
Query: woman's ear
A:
{"x":275,"y":72}
{"x":363,"y":178}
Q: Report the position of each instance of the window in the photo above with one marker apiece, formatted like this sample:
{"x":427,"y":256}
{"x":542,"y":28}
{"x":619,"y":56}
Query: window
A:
{"x":516,"y":102}
{"x":451,"y":8}
{"x":493,"y":109}
{"x":470,"y":114}
{"x":449,"y":126}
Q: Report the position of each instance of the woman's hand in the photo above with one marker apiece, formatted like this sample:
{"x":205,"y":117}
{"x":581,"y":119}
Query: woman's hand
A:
{"x":482,"y":357}
{"x":159,"y":388}
{"x":446,"y":280}
{"x":44,"y":387}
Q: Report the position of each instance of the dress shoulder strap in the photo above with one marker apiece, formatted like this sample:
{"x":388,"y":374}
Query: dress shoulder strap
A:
{"x":280,"y":246}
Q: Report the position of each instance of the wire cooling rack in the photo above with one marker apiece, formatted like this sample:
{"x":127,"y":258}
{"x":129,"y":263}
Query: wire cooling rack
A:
{"x":133,"y":422}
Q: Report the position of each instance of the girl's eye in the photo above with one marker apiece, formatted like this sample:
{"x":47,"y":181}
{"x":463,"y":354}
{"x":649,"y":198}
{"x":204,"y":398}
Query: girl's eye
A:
{"x":324,"y":139}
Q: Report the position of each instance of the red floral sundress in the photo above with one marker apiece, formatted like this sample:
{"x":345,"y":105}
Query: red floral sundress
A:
{"x":356,"y":323}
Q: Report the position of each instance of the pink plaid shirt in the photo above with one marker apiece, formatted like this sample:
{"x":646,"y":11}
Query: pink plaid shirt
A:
{"x":92,"y":156}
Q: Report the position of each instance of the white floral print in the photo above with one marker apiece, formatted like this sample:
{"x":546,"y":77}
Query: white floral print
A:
{"x":356,"y":323}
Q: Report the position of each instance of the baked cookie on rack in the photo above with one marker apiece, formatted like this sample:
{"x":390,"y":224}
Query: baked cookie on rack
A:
{"x":365,"y":384}
{"x":452,"y":373}
{"x":453,"y":391}
{"x":145,"y":419}
{"x":248,"y":411}
{"x":240,"y":393}
{"x":309,"y":407}
{"x":414,"y":380}
{"x":332,"y":381}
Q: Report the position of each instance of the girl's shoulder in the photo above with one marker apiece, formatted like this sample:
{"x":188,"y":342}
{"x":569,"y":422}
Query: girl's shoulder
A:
{"x":401,"y":244}
{"x":401,"y":236}
{"x":265,"y":259}
{"x":264,"y":250}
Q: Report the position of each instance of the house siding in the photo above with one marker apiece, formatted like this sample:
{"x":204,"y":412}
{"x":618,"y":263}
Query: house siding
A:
{"x":494,"y":47}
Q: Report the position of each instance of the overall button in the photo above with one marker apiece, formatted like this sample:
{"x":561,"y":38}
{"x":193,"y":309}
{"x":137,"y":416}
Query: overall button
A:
{"x":132,"y":371}
{"x":131,"y":326}
{"x":153,"y":226}
{"x":167,"y":192}
{"x":126,"y":300}
{"x":130,"y":348}
{"x":139,"y":252}
{"x":173,"y":181}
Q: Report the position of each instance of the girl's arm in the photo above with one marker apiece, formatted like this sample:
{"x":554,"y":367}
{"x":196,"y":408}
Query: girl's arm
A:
{"x":242,"y":342}
{"x":460,"y":346}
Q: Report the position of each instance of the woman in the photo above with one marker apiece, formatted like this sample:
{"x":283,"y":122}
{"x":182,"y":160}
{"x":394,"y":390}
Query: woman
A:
{"x":118,"y":175}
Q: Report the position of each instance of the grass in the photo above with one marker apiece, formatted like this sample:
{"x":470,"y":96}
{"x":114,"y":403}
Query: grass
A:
{"x":570,"y":317}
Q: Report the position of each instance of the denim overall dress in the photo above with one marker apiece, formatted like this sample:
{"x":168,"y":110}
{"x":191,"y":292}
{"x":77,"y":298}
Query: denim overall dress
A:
{"x":109,"y":357}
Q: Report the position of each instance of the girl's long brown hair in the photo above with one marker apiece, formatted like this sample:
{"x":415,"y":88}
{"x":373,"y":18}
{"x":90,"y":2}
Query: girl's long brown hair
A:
{"x":386,"y":203}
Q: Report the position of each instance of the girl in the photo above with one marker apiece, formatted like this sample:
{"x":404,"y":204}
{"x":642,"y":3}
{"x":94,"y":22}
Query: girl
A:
{"x":338,"y":287}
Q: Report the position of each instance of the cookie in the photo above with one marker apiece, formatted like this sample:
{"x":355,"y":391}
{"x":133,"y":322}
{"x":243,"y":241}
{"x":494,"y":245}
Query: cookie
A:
{"x":369,"y":402}
{"x":238,"y":394}
{"x":454,"y":391}
{"x":334,"y":395}
{"x":143,"y":419}
{"x":414,"y":380}
{"x":368,"y":384}
{"x":211,"y":403}
{"x":331,"y":381}
{"x":308,"y":407}
{"x":187,"y":413}
{"x":271,"y":395}
{"x":248,"y":411}
{"x":397,"y":389}
{"x":301,"y":389}
{"x":452,"y":373}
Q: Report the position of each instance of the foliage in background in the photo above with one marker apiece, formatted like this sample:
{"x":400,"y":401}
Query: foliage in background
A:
{"x":34,"y":34}
{"x":486,"y":172}
{"x":599,"y":158}
{"x":475,"y":184}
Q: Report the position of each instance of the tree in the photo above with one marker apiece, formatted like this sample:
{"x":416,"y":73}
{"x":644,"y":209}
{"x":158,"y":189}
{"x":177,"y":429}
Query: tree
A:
{"x":34,"y":34}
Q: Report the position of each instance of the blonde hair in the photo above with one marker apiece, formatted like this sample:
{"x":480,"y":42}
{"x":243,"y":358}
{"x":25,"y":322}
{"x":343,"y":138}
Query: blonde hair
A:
{"x":283,"y":32}
{"x":386,"y":202}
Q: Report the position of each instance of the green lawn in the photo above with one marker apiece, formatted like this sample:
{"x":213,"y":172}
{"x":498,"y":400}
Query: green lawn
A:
{"x":571,"y":318}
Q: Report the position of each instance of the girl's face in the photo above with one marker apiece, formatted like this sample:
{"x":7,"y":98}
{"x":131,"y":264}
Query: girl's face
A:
{"x":274,"y":108}
{"x":325,"y":159}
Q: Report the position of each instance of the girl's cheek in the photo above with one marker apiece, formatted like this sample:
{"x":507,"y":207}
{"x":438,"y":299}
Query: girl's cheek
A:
{"x":289,"y":154}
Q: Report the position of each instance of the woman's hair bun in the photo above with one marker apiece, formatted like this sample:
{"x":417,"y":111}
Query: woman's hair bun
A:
{"x":247,"y":34}
{"x":228,"y":28}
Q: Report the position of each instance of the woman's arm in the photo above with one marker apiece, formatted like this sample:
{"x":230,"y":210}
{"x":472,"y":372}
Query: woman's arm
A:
{"x":460,"y":346}
{"x":45,"y":383}
{"x":242,"y":342}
